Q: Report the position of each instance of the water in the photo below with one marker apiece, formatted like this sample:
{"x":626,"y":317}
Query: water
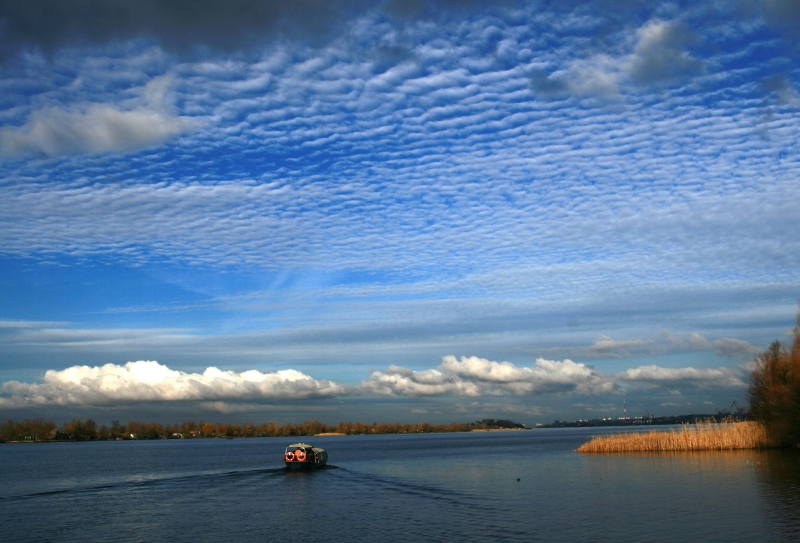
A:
{"x":435,"y":487}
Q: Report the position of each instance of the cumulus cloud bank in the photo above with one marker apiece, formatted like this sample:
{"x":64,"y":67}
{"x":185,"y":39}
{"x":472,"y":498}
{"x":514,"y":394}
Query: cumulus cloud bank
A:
{"x":149,"y":381}
{"x":230,"y":391}
{"x":473,"y":376}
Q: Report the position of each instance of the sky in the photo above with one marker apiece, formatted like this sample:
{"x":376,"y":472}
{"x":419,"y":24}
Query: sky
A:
{"x":394,"y":210}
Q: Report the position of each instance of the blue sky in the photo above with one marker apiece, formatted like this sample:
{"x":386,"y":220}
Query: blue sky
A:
{"x":394,"y":210}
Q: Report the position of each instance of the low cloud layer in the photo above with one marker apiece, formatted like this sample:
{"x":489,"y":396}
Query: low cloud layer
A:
{"x":721,"y":377}
{"x":605,"y":345}
{"x":729,"y":347}
{"x":148,"y":381}
{"x":473,"y":376}
{"x":666,"y":343}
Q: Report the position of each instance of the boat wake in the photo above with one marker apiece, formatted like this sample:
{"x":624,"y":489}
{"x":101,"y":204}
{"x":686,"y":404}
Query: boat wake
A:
{"x":148,"y":482}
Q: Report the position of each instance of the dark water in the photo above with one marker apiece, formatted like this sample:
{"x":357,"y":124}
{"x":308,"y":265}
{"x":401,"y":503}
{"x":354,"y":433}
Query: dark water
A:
{"x":440,"y":487}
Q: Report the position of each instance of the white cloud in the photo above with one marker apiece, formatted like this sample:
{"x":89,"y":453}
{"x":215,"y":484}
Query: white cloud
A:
{"x":735,"y":348}
{"x":596,"y":75}
{"x":232,"y":392}
{"x":148,"y":381}
{"x":699,"y":342}
{"x":405,"y":382}
{"x":97,"y":128}
{"x":667,"y":343}
{"x":473,"y":376}
{"x":721,"y":377}
{"x":607,"y":346}
{"x":730,"y":347}
{"x":658,"y":56}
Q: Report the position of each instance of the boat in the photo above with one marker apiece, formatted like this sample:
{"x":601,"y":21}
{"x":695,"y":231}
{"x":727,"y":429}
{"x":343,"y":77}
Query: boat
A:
{"x":304,"y":456}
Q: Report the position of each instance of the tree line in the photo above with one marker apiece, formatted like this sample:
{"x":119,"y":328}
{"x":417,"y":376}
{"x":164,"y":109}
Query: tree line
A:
{"x":774,"y":392}
{"x":87,"y":429}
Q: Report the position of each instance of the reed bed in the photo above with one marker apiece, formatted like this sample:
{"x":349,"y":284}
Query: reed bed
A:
{"x":703,"y":436}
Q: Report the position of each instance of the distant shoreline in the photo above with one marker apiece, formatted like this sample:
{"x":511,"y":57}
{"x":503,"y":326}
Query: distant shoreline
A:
{"x":498,"y":429}
{"x":650,"y":420}
{"x":39,"y":430}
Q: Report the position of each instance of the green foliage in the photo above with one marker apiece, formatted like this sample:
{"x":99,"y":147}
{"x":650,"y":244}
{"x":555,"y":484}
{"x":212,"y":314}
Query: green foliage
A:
{"x":774,"y":392}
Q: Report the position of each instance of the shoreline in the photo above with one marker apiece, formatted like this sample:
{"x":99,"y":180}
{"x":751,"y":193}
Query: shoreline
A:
{"x":88,"y":430}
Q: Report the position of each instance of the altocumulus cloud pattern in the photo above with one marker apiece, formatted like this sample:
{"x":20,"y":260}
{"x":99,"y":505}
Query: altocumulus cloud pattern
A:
{"x":398,"y":149}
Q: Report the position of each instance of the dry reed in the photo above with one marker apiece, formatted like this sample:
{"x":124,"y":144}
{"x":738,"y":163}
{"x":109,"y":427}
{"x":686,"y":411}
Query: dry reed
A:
{"x":703,"y":436}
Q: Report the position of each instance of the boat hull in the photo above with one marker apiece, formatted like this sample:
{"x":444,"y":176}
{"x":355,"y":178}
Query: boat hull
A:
{"x":303,"y":465}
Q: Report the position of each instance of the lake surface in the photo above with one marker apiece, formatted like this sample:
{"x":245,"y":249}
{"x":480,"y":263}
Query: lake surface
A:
{"x":494,"y":486}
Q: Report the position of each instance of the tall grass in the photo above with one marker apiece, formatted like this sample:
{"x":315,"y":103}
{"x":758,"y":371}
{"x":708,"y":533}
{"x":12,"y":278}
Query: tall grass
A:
{"x":703,"y":436}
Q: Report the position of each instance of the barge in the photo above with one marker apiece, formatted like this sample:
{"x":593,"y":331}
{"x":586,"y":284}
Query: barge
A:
{"x":304,"y":456}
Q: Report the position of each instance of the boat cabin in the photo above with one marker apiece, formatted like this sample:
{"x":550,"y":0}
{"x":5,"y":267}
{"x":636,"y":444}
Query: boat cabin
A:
{"x":303,"y":455}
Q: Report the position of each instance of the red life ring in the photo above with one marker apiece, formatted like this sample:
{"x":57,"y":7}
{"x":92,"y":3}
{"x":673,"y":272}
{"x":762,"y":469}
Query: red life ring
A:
{"x":289,"y":456}
{"x":301,"y":455}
